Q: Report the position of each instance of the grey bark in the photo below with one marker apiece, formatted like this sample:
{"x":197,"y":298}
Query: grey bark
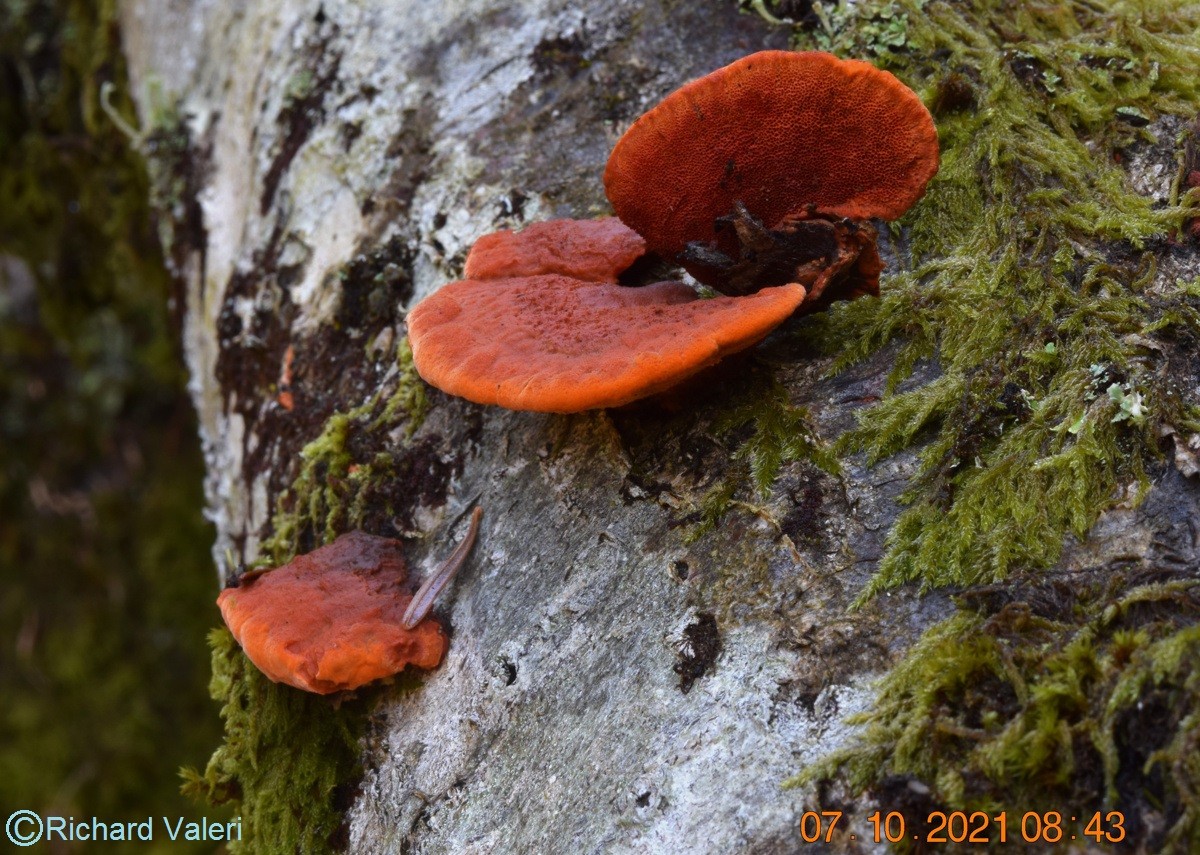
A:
{"x":558,"y":722}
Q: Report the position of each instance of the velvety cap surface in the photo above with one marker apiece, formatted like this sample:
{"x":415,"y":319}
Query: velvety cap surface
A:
{"x":331,"y":620}
{"x":553,"y":343}
{"x":777,"y":131}
{"x":596,"y":250}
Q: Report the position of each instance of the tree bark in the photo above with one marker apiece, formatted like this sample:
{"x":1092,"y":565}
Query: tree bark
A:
{"x":612,"y":684}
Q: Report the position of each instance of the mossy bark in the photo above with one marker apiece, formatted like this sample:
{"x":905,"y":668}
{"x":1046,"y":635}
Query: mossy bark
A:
{"x":674,"y":606}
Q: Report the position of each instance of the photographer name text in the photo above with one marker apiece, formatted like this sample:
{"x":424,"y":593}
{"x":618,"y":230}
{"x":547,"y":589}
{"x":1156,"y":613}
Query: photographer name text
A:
{"x":31,"y":828}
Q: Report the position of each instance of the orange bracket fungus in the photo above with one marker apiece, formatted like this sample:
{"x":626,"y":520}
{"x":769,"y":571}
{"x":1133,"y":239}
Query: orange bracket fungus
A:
{"x":545,"y":326}
{"x":766,"y":171}
{"x":340,"y":616}
{"x":759,"y":179}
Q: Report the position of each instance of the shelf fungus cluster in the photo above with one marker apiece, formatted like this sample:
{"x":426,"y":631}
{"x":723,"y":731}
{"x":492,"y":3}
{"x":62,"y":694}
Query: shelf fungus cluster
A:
{"x":760,"y":179}
{"x":537,"y":327}
{"x":340,"y":616}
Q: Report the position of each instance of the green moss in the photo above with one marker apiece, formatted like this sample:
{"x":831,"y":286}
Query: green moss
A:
{"x":289,"y":759}
{"x":1029,"y":236}
{"x":1027,"y":287}
{"x":1050,"y":693}
{"x":333,"y":490}
{"x":768,"y":432}
{"x":713,"y":506}
{"x":1027,"y":300}
{"x":782,"y":433}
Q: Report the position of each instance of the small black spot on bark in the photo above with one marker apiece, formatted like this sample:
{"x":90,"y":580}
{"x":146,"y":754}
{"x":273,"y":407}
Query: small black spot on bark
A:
{"x":803,"y":522}
{"x":350,"y":132}
{"x":375,"y":286}
{"x":513,"y":205}
{"x":510,"y":671}
{"x":701,"y":647}
{"x":565,"y":54}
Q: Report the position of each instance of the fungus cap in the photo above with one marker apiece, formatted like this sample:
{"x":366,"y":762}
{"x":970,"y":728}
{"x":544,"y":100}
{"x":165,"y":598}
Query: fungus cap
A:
{"x":331,"y":620}
{"x":593,"y":250}
{"x":555,"y":344}
{"x":776,"y":131}
{"x":544,"y":326}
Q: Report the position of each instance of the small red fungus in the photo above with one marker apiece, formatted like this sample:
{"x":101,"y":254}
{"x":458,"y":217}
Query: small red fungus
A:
{"x":546,"y":327}
{"x":592,"y":250}
{"x":332,"y":620}
{"x":285,"y":398}
{"x":765,"y":171}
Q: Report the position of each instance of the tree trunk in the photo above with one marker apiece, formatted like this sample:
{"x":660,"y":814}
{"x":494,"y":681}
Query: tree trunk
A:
{"x":645,"y":647}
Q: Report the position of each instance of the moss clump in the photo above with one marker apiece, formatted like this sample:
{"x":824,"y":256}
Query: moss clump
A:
{"x":1029,"y":284}
{"x":289,"y":762}
{"x":289,"y":759}
{"x":1035,"y":442}
{"x":1051,"y":693}
{"x":1031,"y":260}
{"x":1058,"y":353}
{"x":334,"y":488}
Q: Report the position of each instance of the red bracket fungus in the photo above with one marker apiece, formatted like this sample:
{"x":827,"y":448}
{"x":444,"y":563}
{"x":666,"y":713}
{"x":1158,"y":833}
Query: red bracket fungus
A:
{"x":544,"y":326}
{"x":765,"y":171}
{"x":333,"y":619}
{"x":759,"y":179}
